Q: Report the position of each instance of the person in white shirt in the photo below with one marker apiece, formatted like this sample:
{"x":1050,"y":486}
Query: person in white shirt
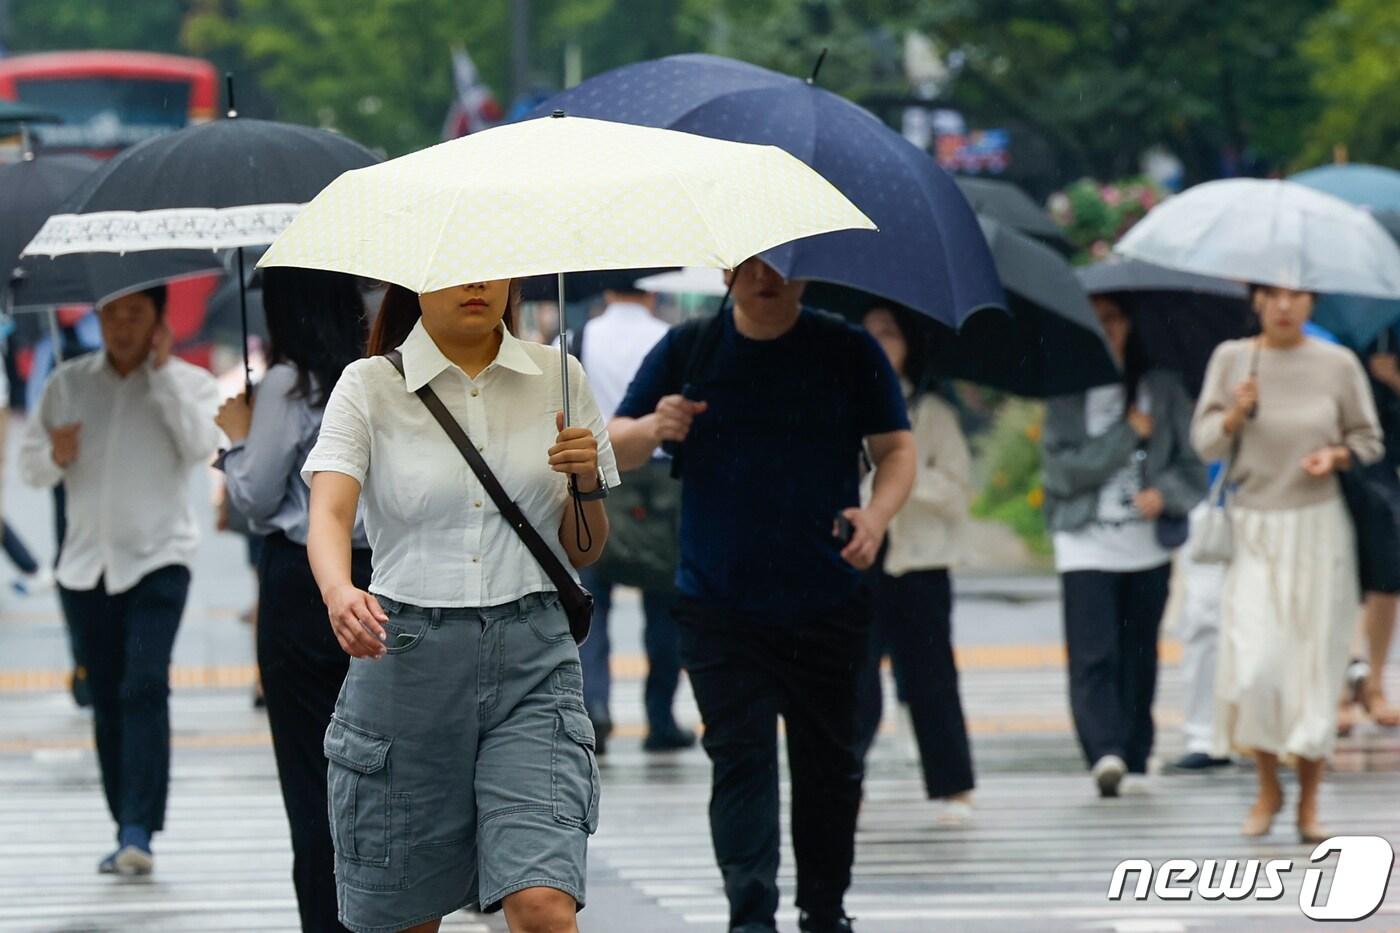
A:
{"x":124,"y":430}
{"x":462,"y":764}
{"x":611,"y":348}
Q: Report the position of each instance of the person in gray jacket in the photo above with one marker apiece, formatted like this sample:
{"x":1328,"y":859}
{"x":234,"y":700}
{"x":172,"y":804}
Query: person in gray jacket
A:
{"x":1120,"y":476}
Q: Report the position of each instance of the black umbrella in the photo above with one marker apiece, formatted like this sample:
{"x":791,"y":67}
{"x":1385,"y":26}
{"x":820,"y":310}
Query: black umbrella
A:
{"x":31,"y":190}
{"x":1047,"y":343}
{"x":226,"y":184}
{"x":1004,"y":202}
{"x":1177,"y":318}
{"x":14,"y":111}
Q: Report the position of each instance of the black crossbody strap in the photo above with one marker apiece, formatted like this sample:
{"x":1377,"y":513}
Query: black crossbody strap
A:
{"x":553,"y":567}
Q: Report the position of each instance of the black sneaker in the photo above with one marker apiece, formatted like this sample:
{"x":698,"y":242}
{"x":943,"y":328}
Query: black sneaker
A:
{"x":1200,"y":761}
{"x":838,"y":924}
{"x":669,"y":740}
{"x":602,"y":729}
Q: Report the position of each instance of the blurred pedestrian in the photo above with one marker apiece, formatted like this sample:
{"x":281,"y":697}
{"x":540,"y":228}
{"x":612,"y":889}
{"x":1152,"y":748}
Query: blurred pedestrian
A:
{"x":641,"y":538}
{"x":1379,"y":612}
{"x":316,"y":322}
{"x":911,"y":586}
{"x":123,"y":430}
{"x":772,"y":403}
{"x":460,"y":735}
{"x":1202,"y":584}
{"x":1290,"y":412}
{"x":1120,"y":478}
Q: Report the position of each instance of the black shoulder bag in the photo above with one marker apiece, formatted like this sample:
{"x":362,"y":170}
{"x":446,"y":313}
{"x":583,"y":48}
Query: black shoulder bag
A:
{"x":577,"y":601}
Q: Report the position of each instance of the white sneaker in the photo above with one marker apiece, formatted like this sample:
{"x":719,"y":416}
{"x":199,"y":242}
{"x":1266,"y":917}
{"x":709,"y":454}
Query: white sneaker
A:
{"x":952,"y":813}
{"x":1135,"y":785}
{"x":1108,"y":774}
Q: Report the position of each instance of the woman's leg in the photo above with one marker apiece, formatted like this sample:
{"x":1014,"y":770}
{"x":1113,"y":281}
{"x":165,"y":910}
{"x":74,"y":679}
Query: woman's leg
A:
{"x":1091,"y":615}
{"x":1309,"y":783}
{"x":1379,"y":625}
{"x":921,"y":645}
{"x":541,"y":910}
{"x":1270,"y":796}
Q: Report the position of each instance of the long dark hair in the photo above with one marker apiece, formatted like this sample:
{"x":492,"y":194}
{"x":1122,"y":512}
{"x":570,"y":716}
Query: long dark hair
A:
{"x":918,"y":369}
{"x":400,"y":311}
{"x":315,"y":322}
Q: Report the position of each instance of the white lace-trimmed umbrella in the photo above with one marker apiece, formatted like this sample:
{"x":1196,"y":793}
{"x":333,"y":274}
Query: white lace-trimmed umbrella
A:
{"x":1270,"y":233}
{"x":561,"y":194}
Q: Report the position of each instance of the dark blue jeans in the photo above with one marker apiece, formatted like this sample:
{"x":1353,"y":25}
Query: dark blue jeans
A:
{"x":129,"y":637}
{"x":662,"y":647}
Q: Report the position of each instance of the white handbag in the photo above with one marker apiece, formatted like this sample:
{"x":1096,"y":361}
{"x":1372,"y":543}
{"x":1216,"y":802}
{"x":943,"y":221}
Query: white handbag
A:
{"x":1213,"y":536}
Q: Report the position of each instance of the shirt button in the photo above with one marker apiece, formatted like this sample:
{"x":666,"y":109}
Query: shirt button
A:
{"x":476,"y":560}
{"x":477,"y":503}
{"x":475,"y":392}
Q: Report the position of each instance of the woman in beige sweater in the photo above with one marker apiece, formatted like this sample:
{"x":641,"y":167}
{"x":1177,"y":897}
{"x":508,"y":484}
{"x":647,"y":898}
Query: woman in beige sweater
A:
{"x":1295,"y":411}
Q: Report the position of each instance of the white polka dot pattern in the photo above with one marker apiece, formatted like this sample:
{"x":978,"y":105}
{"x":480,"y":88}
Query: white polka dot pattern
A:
{"x":561,"y":195}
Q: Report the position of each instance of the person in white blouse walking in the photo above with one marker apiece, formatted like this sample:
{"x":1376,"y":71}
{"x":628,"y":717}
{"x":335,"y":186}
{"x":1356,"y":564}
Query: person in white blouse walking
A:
{"x":124,"y":430}
{"x":462,"y":765}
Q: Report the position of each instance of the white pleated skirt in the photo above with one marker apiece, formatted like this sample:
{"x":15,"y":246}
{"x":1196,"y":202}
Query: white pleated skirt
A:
{"x":1287,"y":616}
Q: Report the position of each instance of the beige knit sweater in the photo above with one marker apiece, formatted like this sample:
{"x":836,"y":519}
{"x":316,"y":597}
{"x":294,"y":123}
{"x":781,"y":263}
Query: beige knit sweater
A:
{"x":1310,"y":396}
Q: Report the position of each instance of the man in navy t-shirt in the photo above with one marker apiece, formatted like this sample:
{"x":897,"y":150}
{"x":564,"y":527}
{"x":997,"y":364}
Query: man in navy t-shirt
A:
{"x":770,"y":409}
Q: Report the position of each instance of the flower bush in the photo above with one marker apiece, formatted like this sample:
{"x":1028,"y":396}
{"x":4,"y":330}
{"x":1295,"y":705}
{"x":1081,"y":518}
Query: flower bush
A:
{"x":1095,"y":214}
{"x":1009,"y":458}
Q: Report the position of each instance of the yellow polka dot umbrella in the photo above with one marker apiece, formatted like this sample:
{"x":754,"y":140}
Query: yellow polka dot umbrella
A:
{"x":560,"y":194}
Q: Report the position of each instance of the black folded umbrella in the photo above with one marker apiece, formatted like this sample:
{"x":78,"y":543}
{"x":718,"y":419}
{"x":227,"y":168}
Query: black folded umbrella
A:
{"x":1178,"y":318}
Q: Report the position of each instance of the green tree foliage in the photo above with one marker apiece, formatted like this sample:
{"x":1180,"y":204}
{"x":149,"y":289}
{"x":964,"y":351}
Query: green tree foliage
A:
{"x":45,"y":25}
{"x":1355,"y":51}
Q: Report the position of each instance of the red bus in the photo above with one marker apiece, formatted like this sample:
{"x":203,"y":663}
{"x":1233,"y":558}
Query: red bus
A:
{"x":108,"y":100}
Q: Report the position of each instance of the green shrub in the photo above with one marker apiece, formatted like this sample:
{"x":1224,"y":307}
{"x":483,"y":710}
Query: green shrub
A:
{"x":1008,"y":458}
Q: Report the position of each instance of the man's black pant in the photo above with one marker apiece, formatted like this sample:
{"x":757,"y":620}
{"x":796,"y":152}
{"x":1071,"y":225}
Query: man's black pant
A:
{"x":746,"y":671}
{"x":1111,"y":626}
{"x":913,"y":624}
{"x":129,"y":637}
{"x":303,"y":667}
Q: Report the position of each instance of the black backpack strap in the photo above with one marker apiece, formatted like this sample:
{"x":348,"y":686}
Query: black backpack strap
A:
{"x":695,"y":342}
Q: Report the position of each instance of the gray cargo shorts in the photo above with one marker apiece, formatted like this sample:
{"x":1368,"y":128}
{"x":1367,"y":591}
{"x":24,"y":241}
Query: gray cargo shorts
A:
{"x":462,"y":765}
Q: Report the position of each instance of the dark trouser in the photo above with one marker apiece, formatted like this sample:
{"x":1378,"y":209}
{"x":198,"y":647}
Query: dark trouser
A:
{"x":129,"y":637}
{"x":1111,"y":624}
{"x":913,"y":624}
{"x":17,"y":552}
{"x":302,"y":668}
{"x":746,"y":671}
{"x":662,"y":648}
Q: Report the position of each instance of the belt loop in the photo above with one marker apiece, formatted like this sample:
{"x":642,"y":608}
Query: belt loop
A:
{"x":435,"y":617}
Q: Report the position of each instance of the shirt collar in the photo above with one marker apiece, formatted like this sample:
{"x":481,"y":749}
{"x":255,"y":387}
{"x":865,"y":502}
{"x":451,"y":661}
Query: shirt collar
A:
{"x":630,"y":309}
{"x":423,"y":361}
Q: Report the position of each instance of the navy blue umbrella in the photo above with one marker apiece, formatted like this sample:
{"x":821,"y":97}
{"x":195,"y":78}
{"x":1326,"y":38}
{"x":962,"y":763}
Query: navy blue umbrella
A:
{"x":929,"y":254}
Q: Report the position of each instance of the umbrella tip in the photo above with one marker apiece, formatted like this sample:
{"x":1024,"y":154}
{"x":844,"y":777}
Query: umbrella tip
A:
{"x":557,"y":114}
{"x":816,"y":69}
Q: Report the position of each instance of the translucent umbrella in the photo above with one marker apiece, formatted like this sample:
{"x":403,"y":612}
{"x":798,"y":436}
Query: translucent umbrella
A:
{"x":1272,"y":233}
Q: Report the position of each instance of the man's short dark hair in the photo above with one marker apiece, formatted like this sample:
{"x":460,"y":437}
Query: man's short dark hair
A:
{"x":157,"y":293}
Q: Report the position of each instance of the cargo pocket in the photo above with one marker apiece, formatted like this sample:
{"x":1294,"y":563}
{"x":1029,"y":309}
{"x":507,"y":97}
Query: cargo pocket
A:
{"x":575,"y":769}
{"x":369,"y":822}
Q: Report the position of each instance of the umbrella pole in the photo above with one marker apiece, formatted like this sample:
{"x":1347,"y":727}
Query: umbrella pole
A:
{"x":55,"y":336}
{"x":564,"y":350}
{"x":243,"y":320}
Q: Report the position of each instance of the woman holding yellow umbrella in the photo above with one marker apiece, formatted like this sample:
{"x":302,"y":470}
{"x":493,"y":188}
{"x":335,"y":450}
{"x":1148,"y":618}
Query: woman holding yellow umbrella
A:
{"x":462,"y":761}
